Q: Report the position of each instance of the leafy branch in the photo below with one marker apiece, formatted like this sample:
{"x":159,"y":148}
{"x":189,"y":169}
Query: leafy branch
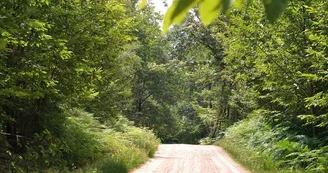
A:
{"x":209,"y":9}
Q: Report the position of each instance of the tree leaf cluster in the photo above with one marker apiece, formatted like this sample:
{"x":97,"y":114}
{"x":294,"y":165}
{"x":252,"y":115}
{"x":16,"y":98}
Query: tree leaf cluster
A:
{"x":210,"y":9}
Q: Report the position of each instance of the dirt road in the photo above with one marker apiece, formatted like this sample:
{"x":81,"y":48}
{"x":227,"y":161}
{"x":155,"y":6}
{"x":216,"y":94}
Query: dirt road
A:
{"x":181,"y":158}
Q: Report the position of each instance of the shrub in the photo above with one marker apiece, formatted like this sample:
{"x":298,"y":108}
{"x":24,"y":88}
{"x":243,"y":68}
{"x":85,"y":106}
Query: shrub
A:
{"x":122,"y":145}
{"x":86,"y":145}
{"x":266,"y":148}
{"x":143,"y":139}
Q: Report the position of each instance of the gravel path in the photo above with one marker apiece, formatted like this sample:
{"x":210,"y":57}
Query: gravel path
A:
{"x":181,"y":158}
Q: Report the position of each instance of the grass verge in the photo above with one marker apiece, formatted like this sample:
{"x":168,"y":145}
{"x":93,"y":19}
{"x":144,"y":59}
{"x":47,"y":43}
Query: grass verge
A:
{"x":263,"y":148}
{"x":253,"y":161}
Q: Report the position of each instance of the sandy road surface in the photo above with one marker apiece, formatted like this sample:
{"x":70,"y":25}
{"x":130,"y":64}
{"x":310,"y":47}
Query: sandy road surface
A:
{"x":181,"y":158}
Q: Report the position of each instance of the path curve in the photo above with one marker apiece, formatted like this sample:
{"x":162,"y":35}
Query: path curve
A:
{"x":182,"y":158}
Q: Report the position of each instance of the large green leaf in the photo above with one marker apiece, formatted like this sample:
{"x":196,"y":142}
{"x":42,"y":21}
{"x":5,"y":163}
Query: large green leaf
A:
{"x":177,"y":12}
{"x":209,"y":9}
{"x":143,"y":3}
{"x":273,"y":8}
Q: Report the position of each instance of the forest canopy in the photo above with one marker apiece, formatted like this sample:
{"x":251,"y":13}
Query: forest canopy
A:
{"x":95,"y":86}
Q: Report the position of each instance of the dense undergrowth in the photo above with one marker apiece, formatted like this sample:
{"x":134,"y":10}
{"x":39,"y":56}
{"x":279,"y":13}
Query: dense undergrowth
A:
{"x":262,"y":147}
{"x":83,"y":144}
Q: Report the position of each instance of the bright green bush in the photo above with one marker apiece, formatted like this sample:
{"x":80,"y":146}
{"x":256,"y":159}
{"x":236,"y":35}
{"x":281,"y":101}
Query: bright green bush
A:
{"x":83,"y":145}
{"x":121,"y":145}
{"x":142,"y":139}
{"x":68,"y":148}
{"x":121,"y":150}
{"x":86,"y":145}
{"x":266,"y":148}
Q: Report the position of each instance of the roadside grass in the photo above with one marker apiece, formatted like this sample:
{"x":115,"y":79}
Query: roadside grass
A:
{"x":253,"y":161}
{"x":263,"y":148}
{"x":110,"y":147}
{"x":124,"y":150}
{"x":113,"y":167}
{"x":105,"y":166}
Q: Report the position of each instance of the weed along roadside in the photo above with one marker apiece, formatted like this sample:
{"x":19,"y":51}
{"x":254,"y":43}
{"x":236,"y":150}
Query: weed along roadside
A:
{"x":264,"y":148}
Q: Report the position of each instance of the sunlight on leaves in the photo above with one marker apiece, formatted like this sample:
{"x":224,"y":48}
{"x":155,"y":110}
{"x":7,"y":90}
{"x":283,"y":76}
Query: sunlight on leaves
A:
{"x":143,"y":4}
{"x":176,"y":13}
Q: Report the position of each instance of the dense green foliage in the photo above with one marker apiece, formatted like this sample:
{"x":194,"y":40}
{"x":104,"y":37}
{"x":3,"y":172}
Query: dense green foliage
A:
{"x":89,"y":86}
{"x":266,"y":148}
{"x":279,"y":73}
{"x":66,"y":78}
